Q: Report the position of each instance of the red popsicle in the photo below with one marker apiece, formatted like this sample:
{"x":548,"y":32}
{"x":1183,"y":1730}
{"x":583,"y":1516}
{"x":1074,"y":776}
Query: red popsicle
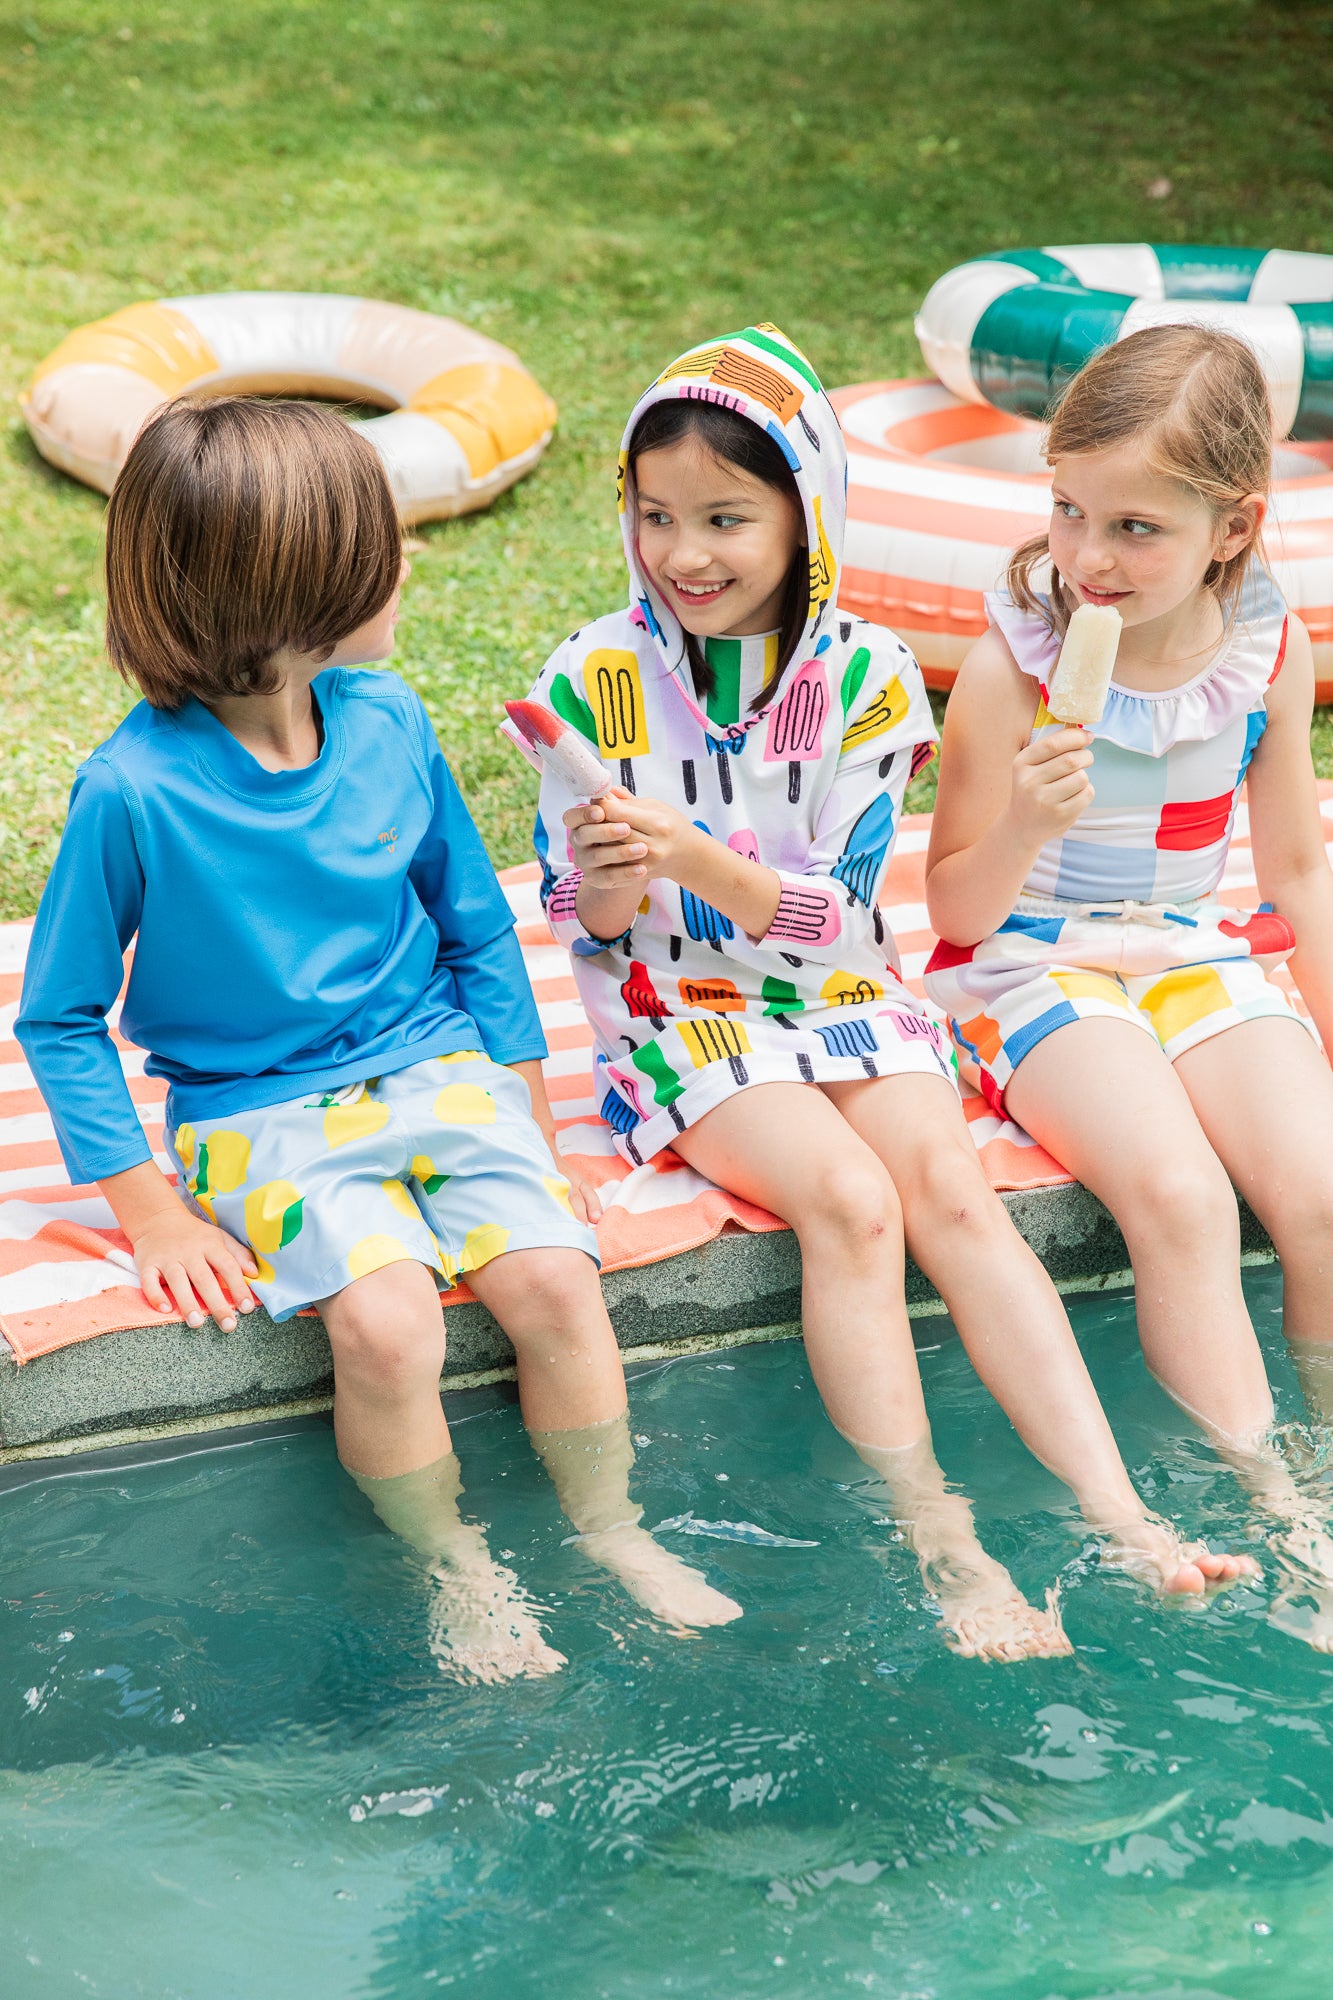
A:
{"x":561,"y":748}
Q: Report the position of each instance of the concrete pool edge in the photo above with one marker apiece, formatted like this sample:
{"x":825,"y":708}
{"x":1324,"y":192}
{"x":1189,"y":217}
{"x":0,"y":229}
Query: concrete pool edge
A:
{"x":168,"y":1380}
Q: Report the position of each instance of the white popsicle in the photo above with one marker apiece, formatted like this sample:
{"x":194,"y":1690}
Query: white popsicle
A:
{"x":1086,"y":664}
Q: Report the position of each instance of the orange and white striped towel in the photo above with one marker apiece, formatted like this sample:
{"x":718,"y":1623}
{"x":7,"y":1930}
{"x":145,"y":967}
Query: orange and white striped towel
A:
{"x":66,"y":1272}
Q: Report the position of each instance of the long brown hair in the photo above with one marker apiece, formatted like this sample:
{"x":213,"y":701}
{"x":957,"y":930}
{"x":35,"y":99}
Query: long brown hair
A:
{"x":735,"y":441}
{"x":238,"y":529}
{"x":1196,"y":399}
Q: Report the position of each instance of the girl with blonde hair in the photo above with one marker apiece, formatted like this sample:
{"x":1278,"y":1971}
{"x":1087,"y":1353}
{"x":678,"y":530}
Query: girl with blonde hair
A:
{"x":1101,"y":986}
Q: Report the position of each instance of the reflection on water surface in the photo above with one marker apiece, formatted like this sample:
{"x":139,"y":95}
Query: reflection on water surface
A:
{"x":229,"y":1764}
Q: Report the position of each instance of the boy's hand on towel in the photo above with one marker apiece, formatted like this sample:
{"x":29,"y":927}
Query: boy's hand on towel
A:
{"x":1050,"y":787}
{"x":190,"y":1267}
{"x":584,"y":1199}
{"x":186,"y":1265}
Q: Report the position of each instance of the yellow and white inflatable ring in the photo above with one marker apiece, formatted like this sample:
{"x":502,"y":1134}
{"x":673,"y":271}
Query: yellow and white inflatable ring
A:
{"x":466,"y":418}
{"x":941,"y":489}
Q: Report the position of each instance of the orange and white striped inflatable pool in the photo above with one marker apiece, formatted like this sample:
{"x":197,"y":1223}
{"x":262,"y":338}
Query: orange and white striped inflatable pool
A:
{"x":940,"y":491}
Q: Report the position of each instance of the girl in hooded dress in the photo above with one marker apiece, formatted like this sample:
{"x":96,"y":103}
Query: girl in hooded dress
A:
{"x":721,"y":909}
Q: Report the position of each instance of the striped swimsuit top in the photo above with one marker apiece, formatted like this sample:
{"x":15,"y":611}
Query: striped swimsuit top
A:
{"x":1167,"y":768}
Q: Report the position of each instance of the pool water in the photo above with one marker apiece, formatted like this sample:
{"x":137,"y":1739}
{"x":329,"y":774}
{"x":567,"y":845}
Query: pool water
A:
{"x":229,"y":1766}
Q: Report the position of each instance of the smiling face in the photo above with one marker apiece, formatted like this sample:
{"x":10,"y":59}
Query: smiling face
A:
{"x":716,"y":542}
{"x":1125,"y":535}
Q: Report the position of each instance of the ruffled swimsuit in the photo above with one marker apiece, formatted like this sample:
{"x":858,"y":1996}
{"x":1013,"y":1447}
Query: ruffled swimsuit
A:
{"x":1118,"y":917}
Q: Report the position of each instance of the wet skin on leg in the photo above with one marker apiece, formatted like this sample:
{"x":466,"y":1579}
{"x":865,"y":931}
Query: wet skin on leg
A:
{"x":1263,"y":1093}
{"x":571,"y":1388}
{"x":789,"y":1149}
{"x":1139,"y":1132}
{"x":1010,"y":1318}
{"x":387,"y":1335}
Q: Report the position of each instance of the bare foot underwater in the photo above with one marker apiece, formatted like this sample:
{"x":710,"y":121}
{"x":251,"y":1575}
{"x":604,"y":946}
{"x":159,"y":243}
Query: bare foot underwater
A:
{"x":590,"y":1470}
{"x":481,"y":1625}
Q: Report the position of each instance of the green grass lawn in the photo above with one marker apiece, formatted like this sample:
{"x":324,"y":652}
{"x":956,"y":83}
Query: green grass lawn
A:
{"x":598,"y":184}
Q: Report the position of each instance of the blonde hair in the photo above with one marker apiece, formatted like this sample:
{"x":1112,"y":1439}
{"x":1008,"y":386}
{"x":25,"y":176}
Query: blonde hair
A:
{"x":1197,"y":402}
{"x":238,"y":529}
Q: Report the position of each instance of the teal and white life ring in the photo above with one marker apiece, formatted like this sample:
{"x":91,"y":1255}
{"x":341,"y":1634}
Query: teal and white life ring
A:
{"x":1011,"y":328}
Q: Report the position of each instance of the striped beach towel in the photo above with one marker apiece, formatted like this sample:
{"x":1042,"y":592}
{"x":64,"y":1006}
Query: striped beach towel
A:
{"x":66,"y":1273}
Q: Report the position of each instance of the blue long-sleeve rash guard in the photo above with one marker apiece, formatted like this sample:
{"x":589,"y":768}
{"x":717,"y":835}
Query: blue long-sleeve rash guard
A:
{"x":297,"y":930}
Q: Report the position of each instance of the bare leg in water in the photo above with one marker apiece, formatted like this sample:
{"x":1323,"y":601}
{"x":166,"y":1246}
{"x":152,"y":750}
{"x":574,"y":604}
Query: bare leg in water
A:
{"x":967,"y":1583}
{"x":786,"y":1147}
{"x":572,"y":1389}
{"x":482,"y":1625}
{"x":1012,"y":1323}
{"x":590,"y":1471}
{"x":388,"y":1338}
{"x":1156,"y":1142}
{"x":387,"y":1335}
{"x":1263,"y":1094}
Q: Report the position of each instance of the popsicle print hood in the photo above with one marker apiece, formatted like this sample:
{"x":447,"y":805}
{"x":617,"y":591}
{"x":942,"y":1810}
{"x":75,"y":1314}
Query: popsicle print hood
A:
{"x":764,"y":377}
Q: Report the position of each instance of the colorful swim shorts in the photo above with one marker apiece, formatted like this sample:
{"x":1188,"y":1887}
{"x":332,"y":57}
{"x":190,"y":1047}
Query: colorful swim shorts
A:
{"x":441,"y":1164}
{"x":1182,"y":974}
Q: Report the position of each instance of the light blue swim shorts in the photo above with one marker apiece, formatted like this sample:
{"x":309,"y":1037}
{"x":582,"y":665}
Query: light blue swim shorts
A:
{"x":442,"y":1164}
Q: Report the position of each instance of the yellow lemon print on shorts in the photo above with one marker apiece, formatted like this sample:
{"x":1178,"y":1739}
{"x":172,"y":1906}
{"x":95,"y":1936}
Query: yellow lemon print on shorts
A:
{"x":372,"y":1253}
{"x":401,"y":1200}
{"x":558,"y":1189}
{"x":224,"y":1162}
{"x":343,"y":1122}
{"x":266,"y":1273}
{"x":487,"y":1240}
{"x":202,"y":1201}
{"x":465,"y":1104}
{"x":425,"y":1170}
{"x":462,"y":1055}
{"x":273,"y":1216}
{"x":184,"y":1144}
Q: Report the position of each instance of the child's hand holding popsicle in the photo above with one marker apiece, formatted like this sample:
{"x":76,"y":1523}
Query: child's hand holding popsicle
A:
{"x":1050,"y":786}
{"x":1050,"y":783}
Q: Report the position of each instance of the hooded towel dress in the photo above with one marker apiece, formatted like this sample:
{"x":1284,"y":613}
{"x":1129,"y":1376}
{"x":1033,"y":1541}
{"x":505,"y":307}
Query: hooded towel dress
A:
{"x":685,"y":1008}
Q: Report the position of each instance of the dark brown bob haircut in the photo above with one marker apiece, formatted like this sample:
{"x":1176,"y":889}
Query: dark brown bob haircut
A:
{"x":237,"y":529}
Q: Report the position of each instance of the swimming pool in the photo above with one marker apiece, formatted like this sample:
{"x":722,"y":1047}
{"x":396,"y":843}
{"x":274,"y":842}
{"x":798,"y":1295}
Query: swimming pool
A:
{"x":229,"y":1766}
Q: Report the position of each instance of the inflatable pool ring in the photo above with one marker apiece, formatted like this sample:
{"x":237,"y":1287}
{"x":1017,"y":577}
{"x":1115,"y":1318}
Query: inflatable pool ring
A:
{"x":467,"y":419}
{"x":947,"y":476}
{"x":1011,"y":328}
{"x":940,"y":491}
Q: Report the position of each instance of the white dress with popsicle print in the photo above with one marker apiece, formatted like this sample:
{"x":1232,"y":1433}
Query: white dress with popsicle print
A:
{"x":686,"y":1009}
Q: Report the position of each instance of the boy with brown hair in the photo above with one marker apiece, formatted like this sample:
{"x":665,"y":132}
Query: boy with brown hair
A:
{"x":326,"y":974}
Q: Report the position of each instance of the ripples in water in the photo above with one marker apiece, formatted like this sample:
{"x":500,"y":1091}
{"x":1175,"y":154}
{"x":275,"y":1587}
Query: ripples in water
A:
{"x":230,"y":1765}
